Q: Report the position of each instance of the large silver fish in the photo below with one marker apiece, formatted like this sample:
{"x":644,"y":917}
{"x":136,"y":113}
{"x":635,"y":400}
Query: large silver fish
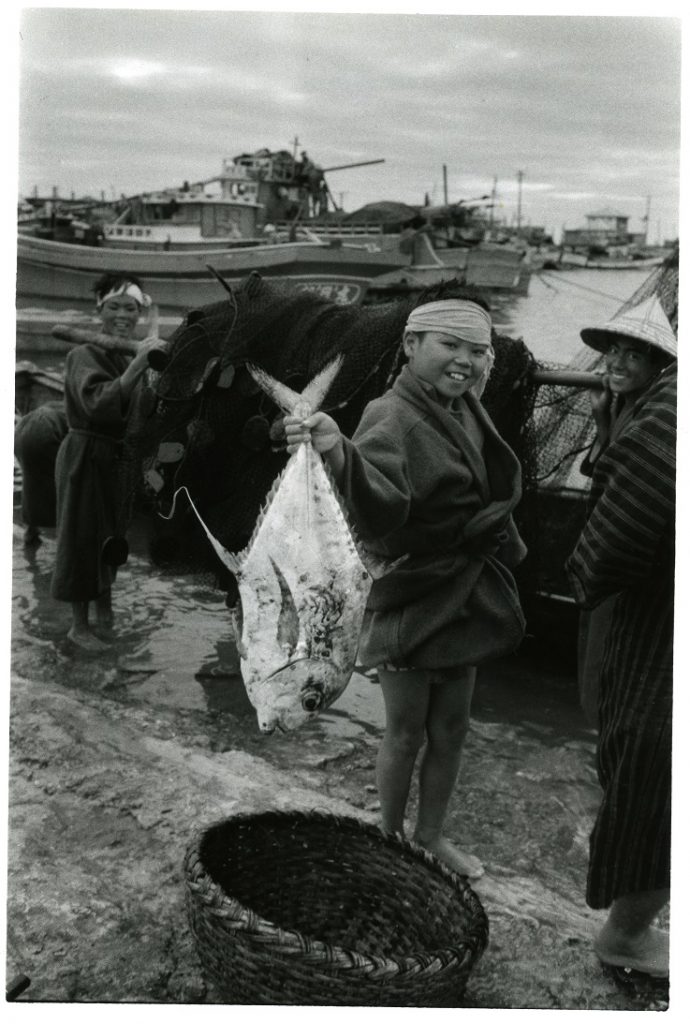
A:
{"x":303,"y":581}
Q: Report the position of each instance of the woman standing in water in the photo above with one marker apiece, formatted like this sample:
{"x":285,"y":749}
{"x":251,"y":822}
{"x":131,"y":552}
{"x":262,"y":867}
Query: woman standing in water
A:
{"x":99,"y":387}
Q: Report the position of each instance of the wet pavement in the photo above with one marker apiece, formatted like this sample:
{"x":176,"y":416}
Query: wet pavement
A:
{"x":118,"y":760}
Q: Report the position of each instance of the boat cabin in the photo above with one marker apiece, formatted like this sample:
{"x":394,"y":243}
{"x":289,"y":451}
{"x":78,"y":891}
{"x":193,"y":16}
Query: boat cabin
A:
{"x":185,"y":218}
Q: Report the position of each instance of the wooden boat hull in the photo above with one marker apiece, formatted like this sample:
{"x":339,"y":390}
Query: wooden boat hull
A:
{"x":63,"y":275}
{"x":573,"y":261}
{"x":489,"y":268}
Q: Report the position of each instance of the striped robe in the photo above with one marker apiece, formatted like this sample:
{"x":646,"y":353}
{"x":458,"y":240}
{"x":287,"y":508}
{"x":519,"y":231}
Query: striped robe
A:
{"x":627,"y":549}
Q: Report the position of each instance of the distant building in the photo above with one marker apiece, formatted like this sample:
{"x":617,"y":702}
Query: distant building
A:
{"x":606,"y":229}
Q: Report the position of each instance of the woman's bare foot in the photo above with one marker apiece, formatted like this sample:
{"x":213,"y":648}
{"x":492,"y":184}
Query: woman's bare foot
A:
{"x":457,"y":860}
{"x":86,"y":640}
{"x":647,"y":952}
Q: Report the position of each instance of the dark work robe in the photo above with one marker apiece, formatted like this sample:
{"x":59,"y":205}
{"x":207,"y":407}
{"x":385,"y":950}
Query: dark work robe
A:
{"x":627,"y":549}
{"x":37,"y":440}
{"x":438,"y":486}
{"x":89,"y":503}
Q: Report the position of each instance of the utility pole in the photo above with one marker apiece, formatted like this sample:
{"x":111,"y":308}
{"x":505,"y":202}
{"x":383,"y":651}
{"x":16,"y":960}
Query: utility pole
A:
{"x":520,"y":176}
{"x":646,"y":219}
{"x":295,"y":144}
{"x":445,"y":185}
{"x":493,"y":203}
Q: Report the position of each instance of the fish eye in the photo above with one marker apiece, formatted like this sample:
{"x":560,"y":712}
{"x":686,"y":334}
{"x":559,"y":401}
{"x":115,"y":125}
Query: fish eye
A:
{"x":312,"y":700}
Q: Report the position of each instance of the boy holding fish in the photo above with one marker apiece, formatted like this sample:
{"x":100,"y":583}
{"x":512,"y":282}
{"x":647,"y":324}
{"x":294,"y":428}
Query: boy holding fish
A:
{"x":429,"y":480}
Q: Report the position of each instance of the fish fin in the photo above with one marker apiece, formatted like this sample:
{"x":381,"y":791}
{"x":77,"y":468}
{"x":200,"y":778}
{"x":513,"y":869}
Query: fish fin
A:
{"x":230,"y":561}
{"x":241,"y":556}
{"x":374,"y":564}
{"x":287,"y":399}
{"x":236,"y":626}
{"x":288,"y":618}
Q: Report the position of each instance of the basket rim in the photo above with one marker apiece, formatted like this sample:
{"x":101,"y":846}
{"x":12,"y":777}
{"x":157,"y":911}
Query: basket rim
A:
{"x":241,"y":918}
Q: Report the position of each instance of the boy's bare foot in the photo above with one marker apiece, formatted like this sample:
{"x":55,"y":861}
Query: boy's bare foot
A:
{"x":32,"y":536}
{"x":457,"y":860}
{"x":647,"y":953}
{"x":104,"y":611}
{"x":86,"y":640}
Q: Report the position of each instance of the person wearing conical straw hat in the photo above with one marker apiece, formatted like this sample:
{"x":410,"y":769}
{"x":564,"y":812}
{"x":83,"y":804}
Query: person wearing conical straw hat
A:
{"x":622,"y":568}
{"x":636,"y":344}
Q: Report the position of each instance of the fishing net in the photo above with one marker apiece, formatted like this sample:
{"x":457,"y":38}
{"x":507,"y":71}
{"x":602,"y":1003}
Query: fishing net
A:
{"x":204,"y":424}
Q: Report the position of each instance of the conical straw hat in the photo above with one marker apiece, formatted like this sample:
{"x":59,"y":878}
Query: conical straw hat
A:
{"x":645,"y":322}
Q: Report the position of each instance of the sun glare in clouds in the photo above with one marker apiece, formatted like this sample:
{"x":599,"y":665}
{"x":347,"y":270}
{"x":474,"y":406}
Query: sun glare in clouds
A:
{"x":134,"y":70}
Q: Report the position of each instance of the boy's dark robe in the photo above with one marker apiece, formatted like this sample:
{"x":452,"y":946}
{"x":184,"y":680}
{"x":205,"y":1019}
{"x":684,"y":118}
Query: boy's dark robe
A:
{"x":88,"y":498}
{"x":439,"y":487}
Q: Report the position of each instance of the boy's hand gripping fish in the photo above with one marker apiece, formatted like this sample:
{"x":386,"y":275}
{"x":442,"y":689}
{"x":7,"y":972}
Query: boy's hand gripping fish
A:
{"x":303,"y":581}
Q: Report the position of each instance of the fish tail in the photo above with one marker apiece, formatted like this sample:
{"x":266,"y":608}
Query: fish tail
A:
{"x":289,"y":400}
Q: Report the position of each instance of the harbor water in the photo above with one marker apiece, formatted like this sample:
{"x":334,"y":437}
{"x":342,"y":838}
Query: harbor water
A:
{"x":559,"y":304}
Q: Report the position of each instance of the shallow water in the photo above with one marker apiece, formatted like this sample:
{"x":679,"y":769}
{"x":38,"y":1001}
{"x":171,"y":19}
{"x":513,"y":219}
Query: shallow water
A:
{"x":172,"y":647}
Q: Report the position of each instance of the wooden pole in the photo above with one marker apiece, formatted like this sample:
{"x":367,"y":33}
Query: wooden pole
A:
{"x":158,"y":360}
{"x":569,"y":378}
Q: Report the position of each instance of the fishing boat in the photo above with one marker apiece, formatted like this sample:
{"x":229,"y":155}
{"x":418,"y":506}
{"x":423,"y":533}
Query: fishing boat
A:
{"x":264,"y":211}
{"x":492,"y":268}
{"x":62,"y":274}
{"x":573,"y":260}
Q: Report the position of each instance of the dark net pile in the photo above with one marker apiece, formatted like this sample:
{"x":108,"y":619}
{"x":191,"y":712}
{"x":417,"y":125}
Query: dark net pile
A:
{"x":205,"y":425}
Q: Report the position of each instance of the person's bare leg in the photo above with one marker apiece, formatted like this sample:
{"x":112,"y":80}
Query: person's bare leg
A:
{"x":104,"y":610}
{"x":629,"y":938}
{"x":447,"y":725}
{"x":80,"y":633}
{"x":32,"y":536}
{"x":406,"y":696}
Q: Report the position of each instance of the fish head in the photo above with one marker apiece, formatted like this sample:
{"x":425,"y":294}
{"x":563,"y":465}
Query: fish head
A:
{"x":298,"y":691}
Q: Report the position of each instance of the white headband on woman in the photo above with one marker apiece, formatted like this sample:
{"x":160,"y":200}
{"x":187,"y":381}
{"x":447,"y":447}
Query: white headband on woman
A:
{"x":128,"y":288}
{"x":457,"y":317}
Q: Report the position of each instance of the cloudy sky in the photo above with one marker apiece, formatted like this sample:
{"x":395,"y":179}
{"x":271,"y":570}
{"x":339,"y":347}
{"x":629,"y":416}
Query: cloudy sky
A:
{"x":587,"y":107}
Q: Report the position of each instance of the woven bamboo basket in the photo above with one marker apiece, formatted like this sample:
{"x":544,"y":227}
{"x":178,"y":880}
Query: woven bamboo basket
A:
{"x":295,"y":908}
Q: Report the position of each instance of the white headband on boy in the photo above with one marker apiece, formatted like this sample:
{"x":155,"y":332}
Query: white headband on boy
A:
{"x":457,"y":317}
{"x":128,"y":288}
